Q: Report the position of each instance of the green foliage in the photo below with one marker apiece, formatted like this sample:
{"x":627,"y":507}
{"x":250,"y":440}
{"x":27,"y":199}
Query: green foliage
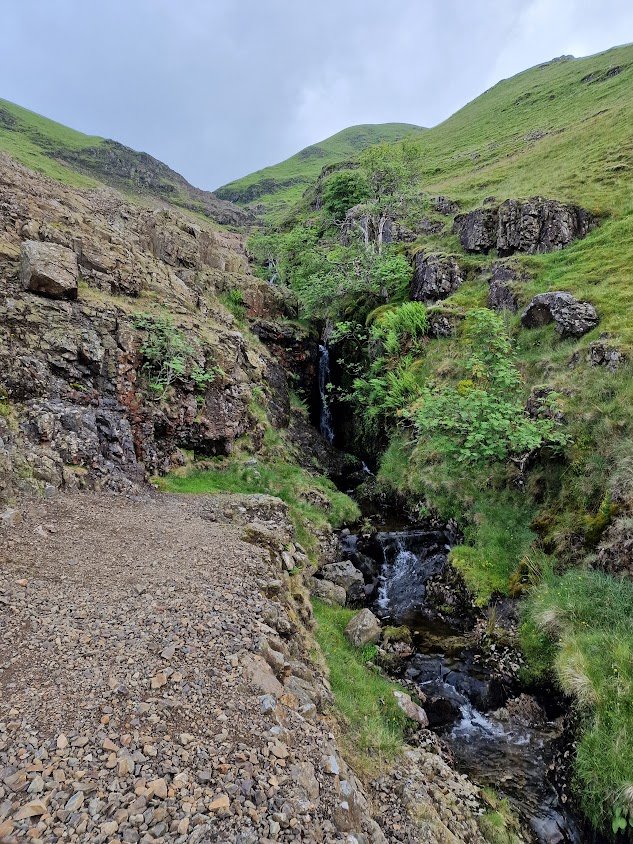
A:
{"x":391,"y":383}
{"x":482,"y":418}
{"x":373,"y":723}
{"x":234,"y":301}
{"x":342,"y":191}
{"x":586,"y":620}
{"x":297,"y":487}
{"x":280,"y":186}
{"x":168,"y":357}
{"x":384,"y":169}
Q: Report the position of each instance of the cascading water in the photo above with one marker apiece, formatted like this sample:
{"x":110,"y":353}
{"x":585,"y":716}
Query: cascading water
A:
{"x":465,"y":702}
{"x":325,"y":415}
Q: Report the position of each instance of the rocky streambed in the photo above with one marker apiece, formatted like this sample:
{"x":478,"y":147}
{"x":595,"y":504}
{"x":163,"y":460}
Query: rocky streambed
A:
{"x":464,"y":667}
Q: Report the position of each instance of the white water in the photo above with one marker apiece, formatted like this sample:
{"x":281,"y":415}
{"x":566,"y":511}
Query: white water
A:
{"x":325,"y":419}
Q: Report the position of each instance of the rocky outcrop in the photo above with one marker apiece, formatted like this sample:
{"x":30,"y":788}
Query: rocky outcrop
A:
{"x":571,"y":317}
{"x":328,"y":592}
{"x":295,"y":347}
{"x":477,"y":230}
{"x":444,"y":205}
{"x":604,"y":352}
{"x":49,"y":269}
{"x":435,"y":277}
{"x":85,"y":403}
{"x":533,"y":225}
{"x":501,"y":296}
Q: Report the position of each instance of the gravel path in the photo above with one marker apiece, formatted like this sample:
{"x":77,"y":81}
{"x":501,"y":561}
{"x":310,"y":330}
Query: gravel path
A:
{"x":150,"y":690}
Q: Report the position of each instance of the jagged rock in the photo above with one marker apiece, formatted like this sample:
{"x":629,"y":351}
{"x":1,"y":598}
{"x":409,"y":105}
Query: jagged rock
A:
{"x":533,"y":225}
{"x":572,"y":318}
{"x":477,"y":229}
{"x":500,"y":295}
{"x":435,"y":277}
{"x":604,"y":353}
{"x":444,"y":205}
{"x":330,"y":593}
{"x":539,"y":225}
{"x":49,"y":269}
{"x":346,"y":575}
{"x":363,"y":629}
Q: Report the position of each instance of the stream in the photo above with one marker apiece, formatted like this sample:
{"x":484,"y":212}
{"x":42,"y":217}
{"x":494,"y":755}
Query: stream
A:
{"x":499,"y":736}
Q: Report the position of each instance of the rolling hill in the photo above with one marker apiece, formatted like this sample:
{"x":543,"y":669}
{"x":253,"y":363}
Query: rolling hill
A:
{"x":87,"y":160}
{"x":279,"y":186}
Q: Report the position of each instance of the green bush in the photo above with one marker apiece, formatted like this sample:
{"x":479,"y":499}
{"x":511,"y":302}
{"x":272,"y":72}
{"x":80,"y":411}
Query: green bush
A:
{"x":344,"y":190}
{"x":168,"y":357}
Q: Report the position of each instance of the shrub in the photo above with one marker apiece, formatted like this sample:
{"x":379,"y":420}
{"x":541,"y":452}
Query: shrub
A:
{"x":168,"y":357}
{"x":344,"y":190}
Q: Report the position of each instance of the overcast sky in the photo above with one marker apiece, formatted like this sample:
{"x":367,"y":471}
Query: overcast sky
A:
{"x":219,"y":88}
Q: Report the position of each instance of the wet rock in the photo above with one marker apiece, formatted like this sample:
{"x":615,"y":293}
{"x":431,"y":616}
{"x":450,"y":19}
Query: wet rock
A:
{"x":435,"y":277}
{"x":571,"y":317}
{"x":363,"y":629}
{"x":330,"y":593}
{"x":49,"y":269}
{"x":346,"y":575}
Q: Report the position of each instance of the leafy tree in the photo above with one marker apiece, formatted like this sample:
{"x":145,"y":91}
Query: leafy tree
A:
{"x":384,"y":169}
{"x":342,"y":191}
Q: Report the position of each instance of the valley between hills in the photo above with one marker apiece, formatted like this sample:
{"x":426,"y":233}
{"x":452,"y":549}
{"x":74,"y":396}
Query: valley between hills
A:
{"x":316,"y":490}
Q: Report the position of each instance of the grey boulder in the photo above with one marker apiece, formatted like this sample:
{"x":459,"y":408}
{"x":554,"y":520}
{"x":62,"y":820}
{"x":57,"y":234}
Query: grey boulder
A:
{"x":346,"y":575}
{"x":49,"y":269}
{"x":363,"y":629}
{"x":571,"y":317}
{"x":328,"y":592}
{"x":435,"y":277}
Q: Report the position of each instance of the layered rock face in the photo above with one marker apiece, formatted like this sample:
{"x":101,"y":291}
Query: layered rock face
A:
{"x":81,"y":404}
{"x":535,"y":225}
{"x":435,"y":277}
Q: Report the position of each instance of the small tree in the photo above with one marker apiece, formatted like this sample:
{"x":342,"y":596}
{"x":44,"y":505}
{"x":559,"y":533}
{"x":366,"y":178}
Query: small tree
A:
{"x":344,"y":190}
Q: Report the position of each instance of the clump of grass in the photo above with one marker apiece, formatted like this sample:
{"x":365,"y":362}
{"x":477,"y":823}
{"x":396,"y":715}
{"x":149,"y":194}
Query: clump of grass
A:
{"x":374,"y":724}
{"x":234,"y":302}
{"x":583,"y":622}
{"x":297,"y":487}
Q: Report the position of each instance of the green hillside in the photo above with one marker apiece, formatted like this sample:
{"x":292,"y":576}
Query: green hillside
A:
{"x":280,"y":185}
{"x":545,"y":497}
{"x":88,"y":160}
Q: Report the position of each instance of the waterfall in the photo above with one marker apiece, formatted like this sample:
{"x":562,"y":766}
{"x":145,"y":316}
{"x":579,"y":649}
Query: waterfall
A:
{"x":325,"y":418}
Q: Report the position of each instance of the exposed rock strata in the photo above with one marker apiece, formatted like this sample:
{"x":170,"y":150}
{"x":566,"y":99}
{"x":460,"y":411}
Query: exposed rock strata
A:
{"x":533,"y":225}
{"x":435,"y":277}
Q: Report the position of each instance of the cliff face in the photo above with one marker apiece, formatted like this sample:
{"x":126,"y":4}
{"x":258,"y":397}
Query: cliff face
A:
{"x":102,"y":389}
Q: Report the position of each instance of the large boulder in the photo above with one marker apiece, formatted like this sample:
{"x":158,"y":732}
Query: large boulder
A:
{"x":539,"y":225}
{"x":410,"y":708}
{"x":572,"y":318}
{"x":363,"y":629}
{"x":49,"y":269}
{"x":345,"y":574}
{"x":532,"y":225}
{"x":435,"y":277}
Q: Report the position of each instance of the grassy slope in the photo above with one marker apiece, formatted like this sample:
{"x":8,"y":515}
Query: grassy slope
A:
{"x":289,"y":178}
{"x":86,"y":161}
{"x":32,"y":139}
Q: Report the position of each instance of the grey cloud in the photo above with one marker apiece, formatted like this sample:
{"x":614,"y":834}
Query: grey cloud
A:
{"x":218,"y":88}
